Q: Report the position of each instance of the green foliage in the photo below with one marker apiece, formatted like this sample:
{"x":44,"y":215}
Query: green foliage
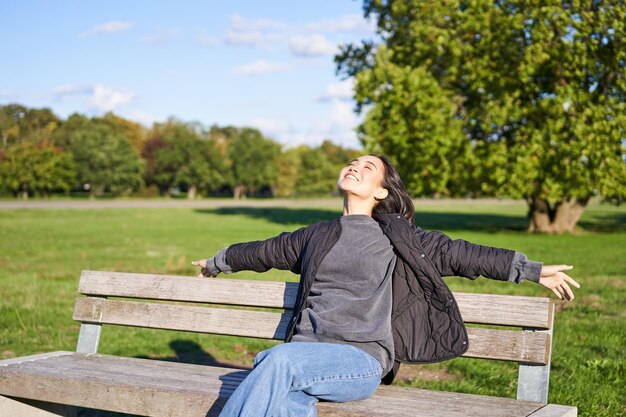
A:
{"x":317,"y":175}
{"x":179,"y":157}
{"x":287,"y":167}
{"x":21,"y":124}
{"x":500,"y":98}
{"x":414,"y":121}
{"x":29,"y":169}
{"x":307,"y":171}
{"x":253,"y":160}
{"x":104,"y":157}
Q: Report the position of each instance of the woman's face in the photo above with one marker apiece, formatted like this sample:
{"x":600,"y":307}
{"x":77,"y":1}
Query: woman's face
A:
{"x":363,"y":177}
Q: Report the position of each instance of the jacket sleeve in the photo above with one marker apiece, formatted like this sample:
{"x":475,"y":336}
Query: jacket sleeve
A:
{"x":462,"y":258}
{"x":280,"y":252}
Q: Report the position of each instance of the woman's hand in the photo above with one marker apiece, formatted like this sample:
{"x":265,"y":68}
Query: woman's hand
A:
{"x":204,"y":272}
{"x":553,"y":277}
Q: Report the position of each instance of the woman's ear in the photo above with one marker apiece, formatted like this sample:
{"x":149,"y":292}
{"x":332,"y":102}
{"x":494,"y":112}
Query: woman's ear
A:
{"x":381,"y":194}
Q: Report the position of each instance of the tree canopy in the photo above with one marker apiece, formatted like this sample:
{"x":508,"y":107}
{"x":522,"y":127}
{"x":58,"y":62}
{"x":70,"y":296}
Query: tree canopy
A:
{"x":104,"y":157}
{"x":501,"y":98}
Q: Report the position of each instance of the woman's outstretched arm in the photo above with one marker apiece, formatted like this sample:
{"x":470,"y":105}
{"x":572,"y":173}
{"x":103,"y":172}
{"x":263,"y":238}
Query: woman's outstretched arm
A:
{"x":281,"y":252}
{"x":463,"y":258}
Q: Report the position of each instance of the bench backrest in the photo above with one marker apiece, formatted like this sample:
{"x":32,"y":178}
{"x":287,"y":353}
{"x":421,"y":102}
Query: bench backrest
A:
{"x":523,"y":335}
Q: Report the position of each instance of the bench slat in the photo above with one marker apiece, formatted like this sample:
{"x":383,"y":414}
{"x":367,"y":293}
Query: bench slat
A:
{"x":156,"y":388}
{"x":259,"y":324}
{"x":506,"y":310}
{"x":509,"y":345}
{"x":503,"y":310}
{"x":194,"y":289}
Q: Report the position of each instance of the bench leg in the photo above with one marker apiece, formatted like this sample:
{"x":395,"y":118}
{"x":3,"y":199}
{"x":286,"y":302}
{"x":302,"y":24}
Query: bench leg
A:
{"x":19,"y":407}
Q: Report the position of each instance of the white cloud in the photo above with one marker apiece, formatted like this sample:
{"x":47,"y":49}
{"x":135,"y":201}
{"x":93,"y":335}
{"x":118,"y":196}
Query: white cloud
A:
{"x":109,"y":27}
{"x":240,"y":23}
{"x":343,"y":90}
{"x":338,"y":126}
{"x":243,"y":38}
{"x":253,"y":39}
{"x":96,"y":97}
{"x":108,"y":99}
{"x":262,"y":66}
{"x":348,"y":23}
{"x":255,"y":33}
{"x":204,"y":39}
{"x":161,"y":36}
{"x":314,"y":45}
{"x":343,"y":117}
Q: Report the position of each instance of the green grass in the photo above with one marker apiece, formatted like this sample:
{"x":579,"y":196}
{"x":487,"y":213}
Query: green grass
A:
{"x":42,"y":252}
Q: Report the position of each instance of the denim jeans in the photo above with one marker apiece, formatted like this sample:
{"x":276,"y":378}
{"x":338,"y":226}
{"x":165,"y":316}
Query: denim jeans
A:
{"x":289,"y":379}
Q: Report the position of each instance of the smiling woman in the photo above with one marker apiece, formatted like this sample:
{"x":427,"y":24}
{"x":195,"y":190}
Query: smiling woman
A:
{"x":356,"y":273}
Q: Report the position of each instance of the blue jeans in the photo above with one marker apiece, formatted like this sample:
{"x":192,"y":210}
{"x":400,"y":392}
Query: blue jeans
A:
{"x":289,"y":379}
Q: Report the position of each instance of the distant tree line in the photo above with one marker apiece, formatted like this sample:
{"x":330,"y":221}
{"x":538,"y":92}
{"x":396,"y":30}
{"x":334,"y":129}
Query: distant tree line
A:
{"x":41,"y":154}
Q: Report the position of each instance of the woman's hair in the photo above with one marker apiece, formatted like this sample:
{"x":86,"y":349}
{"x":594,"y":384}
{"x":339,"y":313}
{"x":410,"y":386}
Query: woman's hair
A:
{"x":397,"y":200}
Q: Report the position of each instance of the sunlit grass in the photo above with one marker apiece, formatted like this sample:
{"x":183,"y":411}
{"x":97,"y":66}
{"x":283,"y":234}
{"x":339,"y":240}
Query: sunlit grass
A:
{"x":43,"y":251}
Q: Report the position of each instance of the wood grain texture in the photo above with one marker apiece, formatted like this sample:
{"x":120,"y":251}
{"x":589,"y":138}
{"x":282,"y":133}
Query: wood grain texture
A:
{"x":506,"y":310}
{"x":502,"y":310}
{"x":505,"y":345}
{"x":508,"y":345}
{"x":182,"y":317}
{"x":184,"y":288}
{"x":156,"y":388}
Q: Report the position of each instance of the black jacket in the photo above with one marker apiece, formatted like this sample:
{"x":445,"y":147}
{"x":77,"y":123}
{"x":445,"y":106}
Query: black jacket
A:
{"x":427,"y":325}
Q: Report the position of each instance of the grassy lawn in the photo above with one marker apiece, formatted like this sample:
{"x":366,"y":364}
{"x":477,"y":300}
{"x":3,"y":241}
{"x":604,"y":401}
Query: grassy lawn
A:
{"x":42,"y":252}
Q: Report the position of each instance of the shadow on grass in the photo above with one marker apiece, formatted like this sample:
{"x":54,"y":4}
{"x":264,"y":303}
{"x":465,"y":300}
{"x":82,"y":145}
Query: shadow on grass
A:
{"x":426,"y":220}
{"x":187,"y":351}
{"x":279,"y":215}
{"x":606,"y":223}
{"x":477,"y":222}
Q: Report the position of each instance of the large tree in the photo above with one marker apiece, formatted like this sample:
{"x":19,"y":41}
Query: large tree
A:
{"x":30,"y":169}
{"x":104,"y":157}
{"x":179,"y":155}
{"x":253,"y":161}
{"x":22,"y":124}
{"x":499,"y":98}
{"x":317,"y":175}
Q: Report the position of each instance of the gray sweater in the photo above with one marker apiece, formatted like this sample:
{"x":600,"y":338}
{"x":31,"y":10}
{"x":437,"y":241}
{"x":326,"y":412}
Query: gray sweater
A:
{"x":350,"y":300}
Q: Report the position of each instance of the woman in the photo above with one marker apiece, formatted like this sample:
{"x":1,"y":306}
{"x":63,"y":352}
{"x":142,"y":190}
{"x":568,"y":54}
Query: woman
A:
{"x":370,"y":296}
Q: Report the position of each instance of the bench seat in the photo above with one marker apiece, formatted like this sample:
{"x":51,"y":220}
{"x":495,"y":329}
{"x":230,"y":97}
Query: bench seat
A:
{"x":161,"y":388}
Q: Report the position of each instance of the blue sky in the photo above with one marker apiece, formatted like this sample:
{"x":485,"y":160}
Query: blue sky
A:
{"x":267,"y":64}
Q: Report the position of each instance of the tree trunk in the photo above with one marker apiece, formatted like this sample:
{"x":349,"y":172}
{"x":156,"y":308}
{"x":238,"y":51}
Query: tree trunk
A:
{"x":558,"y":218}
{"x":239,"y":191}
{"x":191,"y":192}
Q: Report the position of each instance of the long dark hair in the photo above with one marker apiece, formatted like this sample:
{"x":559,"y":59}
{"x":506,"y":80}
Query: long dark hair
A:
{"x":398,"y":200}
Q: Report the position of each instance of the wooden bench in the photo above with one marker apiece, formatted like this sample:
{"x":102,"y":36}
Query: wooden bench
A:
{"x":54,"y":383}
